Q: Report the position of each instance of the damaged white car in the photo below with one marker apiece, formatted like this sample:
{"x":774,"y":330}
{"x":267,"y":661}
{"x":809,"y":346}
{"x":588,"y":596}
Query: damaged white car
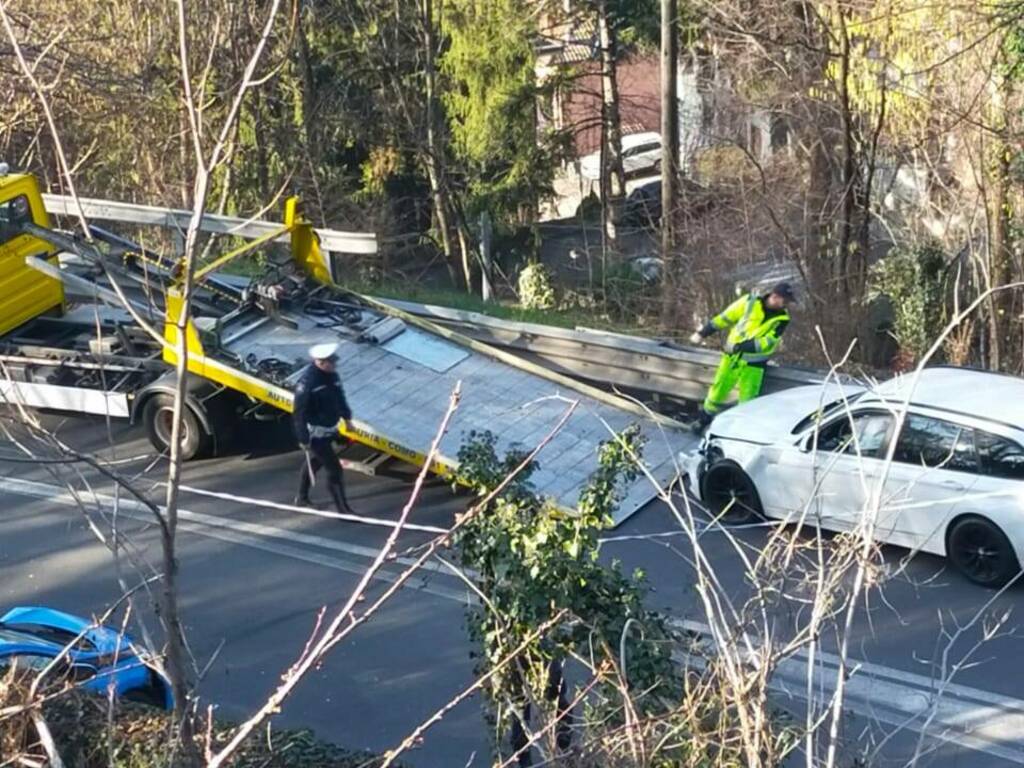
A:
{"x":817,"y":454}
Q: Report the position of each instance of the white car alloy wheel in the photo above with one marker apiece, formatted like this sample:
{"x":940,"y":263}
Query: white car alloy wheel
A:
{"x":981,"y":552}
{"x":729,"y":494}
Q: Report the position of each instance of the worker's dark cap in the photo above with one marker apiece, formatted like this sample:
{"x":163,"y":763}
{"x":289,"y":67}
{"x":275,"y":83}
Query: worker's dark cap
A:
{"x":785,"y":290}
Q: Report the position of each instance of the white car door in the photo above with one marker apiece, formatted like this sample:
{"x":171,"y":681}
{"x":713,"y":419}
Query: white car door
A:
{"x":935,"y":466}
{"x":998,"y":493}
{"x":827,"y":477}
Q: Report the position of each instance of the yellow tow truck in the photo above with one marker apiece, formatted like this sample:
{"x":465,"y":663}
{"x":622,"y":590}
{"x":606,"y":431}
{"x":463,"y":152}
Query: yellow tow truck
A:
{"x":73,"y":317}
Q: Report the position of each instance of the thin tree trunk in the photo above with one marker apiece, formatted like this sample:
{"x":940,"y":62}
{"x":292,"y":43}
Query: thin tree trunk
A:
{"x":867,"y":190}
{"x":815,"y":218}
{"x":849,"y":178}
{"x":611,"y":133}
{"x":996,"y":165}
{"x":669,"y":153}
{"x":434,"y":152}
{"x":308,"y":91}
{"x":999,"y":256}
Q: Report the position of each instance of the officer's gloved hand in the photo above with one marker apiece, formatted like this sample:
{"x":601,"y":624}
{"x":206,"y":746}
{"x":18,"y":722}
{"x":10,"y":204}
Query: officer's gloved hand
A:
{"x":696,"y":338}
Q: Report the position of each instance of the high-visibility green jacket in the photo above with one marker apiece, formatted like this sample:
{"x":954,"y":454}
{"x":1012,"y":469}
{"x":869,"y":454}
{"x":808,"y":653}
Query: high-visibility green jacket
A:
{"x":754,"y":329}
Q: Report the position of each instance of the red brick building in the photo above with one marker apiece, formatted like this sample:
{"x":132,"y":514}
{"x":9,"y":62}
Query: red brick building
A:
{"x":638,"y":79}
{"x":573,"y":47}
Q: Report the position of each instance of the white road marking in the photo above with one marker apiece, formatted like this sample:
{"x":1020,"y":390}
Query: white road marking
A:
{"x":415,"y":583}
{"x":247,"y":534}
{"x":980,"y":720}
{"x":249,"y":501}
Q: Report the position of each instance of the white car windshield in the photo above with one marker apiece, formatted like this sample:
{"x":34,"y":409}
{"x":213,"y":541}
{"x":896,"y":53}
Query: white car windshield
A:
{"x":642,"y":149}
{"x":823,"y":412}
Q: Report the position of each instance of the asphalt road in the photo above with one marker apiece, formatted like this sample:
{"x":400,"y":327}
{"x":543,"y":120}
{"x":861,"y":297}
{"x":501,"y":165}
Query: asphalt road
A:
{"x":254,"y":578}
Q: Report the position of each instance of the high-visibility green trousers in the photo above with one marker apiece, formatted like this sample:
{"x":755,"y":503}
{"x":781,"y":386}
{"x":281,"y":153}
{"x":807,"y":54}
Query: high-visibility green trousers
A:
{"x":733,"y":370}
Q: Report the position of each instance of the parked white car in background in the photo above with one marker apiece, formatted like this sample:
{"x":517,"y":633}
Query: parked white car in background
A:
{"x":640,"y":152}
{"x":816,"y":455}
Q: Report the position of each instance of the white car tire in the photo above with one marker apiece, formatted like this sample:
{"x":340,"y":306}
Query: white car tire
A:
{"x":730,"y":495}
{"x":981,"y":552}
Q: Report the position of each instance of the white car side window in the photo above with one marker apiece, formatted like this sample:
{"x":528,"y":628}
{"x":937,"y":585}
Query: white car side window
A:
{"x":929,"y":442}
{"x":872,"y":429}
{"x":1000,"y":457}
{"x":871,"y":433}
{"x":642,"y":149}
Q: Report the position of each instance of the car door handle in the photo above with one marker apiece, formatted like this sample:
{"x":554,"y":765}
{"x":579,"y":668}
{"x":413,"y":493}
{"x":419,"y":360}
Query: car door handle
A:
{"x":954,"y":485}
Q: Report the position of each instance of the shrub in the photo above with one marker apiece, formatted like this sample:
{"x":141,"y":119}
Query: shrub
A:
{"x":535,"y":288}
{"x":138,"y":737}
{"x":912,"y":279}
{"x":538,"y":568}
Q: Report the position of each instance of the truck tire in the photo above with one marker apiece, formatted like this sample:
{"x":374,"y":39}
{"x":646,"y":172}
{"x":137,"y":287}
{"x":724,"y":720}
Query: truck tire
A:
{"x":158,"y":415}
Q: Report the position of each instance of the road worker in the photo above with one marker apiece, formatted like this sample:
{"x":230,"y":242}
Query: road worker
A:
{"x":756,"y":324}
{"x":320,"y":408}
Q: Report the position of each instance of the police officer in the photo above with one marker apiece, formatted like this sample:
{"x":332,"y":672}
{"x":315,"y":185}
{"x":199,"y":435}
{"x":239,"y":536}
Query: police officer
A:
{"x":756,"y":324}
{"x":319,"y":409}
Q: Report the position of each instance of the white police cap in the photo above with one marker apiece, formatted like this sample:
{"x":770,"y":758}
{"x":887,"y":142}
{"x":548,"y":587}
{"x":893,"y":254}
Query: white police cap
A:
{"x":323,"y":351}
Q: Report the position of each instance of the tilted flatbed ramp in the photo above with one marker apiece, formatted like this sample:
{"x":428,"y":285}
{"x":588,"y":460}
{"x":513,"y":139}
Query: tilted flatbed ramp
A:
{"x":399,"y":391}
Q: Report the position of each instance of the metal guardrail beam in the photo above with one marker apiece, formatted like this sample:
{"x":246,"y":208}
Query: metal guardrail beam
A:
{"x":331,"y":240}
{"x":621,"y":360}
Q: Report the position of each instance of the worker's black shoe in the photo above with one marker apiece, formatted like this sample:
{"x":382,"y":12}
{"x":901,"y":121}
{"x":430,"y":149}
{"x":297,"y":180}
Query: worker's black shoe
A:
{"x":302,"y":501}
{"x":340,"y":502}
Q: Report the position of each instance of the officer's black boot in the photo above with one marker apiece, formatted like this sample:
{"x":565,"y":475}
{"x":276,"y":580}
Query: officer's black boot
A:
{"x":302,"y":497}
{"x":338,"y":497}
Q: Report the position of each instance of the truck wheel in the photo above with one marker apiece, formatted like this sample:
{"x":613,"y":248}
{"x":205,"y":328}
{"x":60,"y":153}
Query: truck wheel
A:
{"x":158,"y":416}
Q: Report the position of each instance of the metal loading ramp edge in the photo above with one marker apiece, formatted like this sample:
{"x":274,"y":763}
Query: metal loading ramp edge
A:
{"x":632,"y":362}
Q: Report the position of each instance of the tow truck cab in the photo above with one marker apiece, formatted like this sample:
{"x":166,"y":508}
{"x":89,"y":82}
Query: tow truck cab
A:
{"x":50,"y":352}
{"x":25,"y":293}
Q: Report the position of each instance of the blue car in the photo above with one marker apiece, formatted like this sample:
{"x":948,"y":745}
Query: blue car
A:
{"x":31,"y":637}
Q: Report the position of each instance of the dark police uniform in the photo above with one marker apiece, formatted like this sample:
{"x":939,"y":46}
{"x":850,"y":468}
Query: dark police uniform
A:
{"x":319,"y":406}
